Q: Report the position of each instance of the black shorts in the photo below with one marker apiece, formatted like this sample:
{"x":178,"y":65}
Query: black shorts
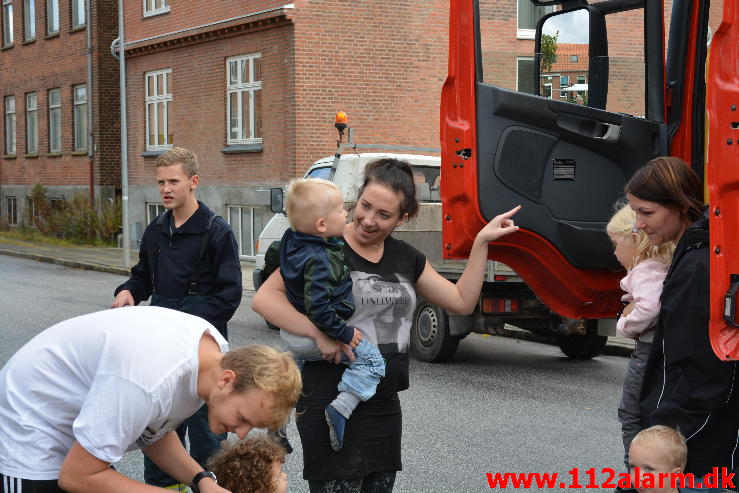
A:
{"x":15,"y":485}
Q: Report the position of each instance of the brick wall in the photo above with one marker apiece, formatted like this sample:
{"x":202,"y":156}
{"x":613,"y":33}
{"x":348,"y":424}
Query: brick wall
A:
{"x":60,"y":61}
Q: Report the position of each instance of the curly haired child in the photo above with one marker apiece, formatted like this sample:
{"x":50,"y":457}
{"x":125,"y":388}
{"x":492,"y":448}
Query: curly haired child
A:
{"x":251,"y":465}
{"x":646,"y":267}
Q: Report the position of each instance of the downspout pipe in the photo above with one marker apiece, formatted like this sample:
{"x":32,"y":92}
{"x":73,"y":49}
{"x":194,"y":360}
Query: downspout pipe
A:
{"x":120,"y":43}
{"x":90,"y":99}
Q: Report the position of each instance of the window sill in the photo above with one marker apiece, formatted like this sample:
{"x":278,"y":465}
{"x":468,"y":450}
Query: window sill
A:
{"x":10,"y":156}
{"x":52,"y":35}
{"x":525,"y":33}
{"x":155,"y":13}
{"x":242,"y":148}
{"x":155,"y":153}
{"x":79,"y":153}
{"x":77,"y":29}
{"x":7,"y":47}
{"x":31,"y":155}
{"x":28,"y":42}
{"x":54,"y":154}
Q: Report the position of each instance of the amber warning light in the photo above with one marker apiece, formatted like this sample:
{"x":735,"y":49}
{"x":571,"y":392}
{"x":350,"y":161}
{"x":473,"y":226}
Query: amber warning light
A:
{"x":341,"y":122}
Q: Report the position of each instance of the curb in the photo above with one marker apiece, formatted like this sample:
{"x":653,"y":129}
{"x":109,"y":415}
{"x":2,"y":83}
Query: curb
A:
{"x":77,"y":264}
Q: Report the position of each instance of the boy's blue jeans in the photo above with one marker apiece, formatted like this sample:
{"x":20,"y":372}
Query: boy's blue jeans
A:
{"x":361,"y":375}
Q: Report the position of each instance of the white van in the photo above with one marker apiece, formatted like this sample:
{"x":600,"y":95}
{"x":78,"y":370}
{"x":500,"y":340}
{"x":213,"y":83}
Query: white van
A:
{"x":435,"y":333}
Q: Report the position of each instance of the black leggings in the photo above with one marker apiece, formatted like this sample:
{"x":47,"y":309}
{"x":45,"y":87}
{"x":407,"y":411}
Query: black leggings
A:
{"x":15,"y":485}
{"x":379,"y":482}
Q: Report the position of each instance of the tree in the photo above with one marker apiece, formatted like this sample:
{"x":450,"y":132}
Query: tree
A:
{"x":548,"y":51}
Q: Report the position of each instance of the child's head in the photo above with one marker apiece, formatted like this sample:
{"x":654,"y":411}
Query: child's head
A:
{"x":315,"y":206}
{"x":252,"y":465}
{"x":632,"y":246}
{"x":658,"y":449}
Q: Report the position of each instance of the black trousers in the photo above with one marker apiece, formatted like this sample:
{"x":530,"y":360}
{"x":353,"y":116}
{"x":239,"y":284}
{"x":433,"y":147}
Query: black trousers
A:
{"x":15,"y":485}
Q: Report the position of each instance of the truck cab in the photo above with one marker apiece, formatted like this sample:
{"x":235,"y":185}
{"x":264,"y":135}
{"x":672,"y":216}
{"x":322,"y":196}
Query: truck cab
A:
{"x":604,"y":87}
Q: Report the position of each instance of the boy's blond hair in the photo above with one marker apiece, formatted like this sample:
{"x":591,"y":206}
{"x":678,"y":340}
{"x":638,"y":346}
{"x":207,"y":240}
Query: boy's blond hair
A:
{"x":179,"y":155}
{"x":623,"y":223}
{"x":669,"y":442}
{"x":270,"y":370}
{"x":307,"y":201}
{"x":245,"y":466}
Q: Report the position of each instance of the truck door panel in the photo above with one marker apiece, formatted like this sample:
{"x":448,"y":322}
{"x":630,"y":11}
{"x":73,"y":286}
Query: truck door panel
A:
{"x":566,"y":164}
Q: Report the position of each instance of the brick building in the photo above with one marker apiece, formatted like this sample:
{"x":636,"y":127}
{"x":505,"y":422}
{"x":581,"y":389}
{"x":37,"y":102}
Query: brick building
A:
{"x":251,"y":87}
{"x":45,"y":96}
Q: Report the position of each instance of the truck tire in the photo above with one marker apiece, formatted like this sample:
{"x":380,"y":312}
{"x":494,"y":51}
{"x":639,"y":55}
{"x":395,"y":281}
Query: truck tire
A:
{"x":585,"y":346}
{"x":430,"y":339}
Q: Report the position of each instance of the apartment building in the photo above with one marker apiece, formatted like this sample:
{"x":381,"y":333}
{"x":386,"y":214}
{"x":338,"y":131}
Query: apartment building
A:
{"x":59,"y":102}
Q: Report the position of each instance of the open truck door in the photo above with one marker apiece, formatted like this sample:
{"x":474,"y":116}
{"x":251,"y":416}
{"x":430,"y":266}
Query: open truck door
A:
{"x":599,"y":100}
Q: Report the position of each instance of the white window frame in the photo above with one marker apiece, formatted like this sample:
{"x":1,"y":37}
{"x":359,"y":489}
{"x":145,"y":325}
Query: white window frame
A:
{"x":152,"y":102}
{"x":32,"y":123}
{"x":29,"y":20}
{"x":523,"y":33}
{"x":584,"y":79}
{"x":52,"y":17}
{"x":78,"y":13}
{"x":251,"y":87}
{"x":155,"y":7}
{"x":55,"y":120}
{"x":79,"y":115}
{"x":551,"y":94}
{"x":8,"y":22}
{"x":235,"y":213}
{"x":565,"y":79}
{"x":158,"y":208}
{"x":10,"y":125}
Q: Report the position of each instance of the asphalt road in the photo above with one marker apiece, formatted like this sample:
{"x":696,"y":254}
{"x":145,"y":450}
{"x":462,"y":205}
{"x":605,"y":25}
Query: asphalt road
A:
{"x":502,"y":405}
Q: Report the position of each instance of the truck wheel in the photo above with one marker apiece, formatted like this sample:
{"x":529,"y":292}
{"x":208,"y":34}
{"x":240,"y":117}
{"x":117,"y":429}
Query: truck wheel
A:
{"x":430,"y":339}
{"x":585,"y":346}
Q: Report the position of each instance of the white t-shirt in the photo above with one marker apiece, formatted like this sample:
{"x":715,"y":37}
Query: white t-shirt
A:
{"x":113,"y":381}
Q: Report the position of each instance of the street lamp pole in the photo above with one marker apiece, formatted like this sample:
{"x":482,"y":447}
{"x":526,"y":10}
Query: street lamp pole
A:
{"x":124,"y":140}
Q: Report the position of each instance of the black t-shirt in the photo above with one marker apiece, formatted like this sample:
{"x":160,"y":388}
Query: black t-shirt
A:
{"x":384,"y":300}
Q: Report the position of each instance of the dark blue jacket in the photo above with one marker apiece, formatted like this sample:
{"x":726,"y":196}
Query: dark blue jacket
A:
{"x":317,"y":282}
{"x":178,"y":264}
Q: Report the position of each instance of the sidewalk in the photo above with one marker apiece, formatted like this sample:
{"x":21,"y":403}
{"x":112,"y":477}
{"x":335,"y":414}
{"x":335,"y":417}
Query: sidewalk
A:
{"x":108,"y":259}
{"x":103,"y":259}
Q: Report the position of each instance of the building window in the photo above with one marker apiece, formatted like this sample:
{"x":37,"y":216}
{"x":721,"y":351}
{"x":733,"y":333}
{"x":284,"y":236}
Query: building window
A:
{"x":573,"y":58}
{"x":80,"y":117}
{"x":55,"y":120}
{"x":247,"y":223}
{"x":31,"y":213}
{"x":159,"y":132}
{"x":31,"y":123}
{"x":525,"y":75}
{"x":155,"y":7}
{"x":528,"y":16}
{"x":153,"y":209}
{"x":7,"y":22}
{"x":564,"y":81}
{"x":52,"y":16}
{"x":29,"y":20}
{"x":12,"y":211}
{"x":244,"y":107}
{"x":10,"y":125}
{"x":581,"y":79}
{"x":78,"y":13}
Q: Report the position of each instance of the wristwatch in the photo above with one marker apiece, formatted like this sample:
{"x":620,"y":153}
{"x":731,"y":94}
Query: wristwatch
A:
{"x":198,"y":477}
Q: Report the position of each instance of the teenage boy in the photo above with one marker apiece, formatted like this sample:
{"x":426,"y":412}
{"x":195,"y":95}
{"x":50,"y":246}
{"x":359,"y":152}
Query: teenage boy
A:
{"x":80,"y":394}
{"x":189,"y":262}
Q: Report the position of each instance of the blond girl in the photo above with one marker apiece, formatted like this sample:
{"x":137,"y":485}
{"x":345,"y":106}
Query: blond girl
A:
{"x":646,"y":268}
